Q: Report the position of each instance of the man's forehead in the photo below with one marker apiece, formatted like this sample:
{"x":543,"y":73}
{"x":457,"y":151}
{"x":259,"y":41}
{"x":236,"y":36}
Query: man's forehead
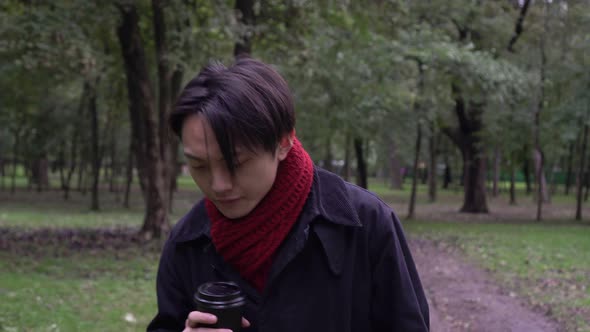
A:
{"x":200,"y":142}
{"x":196,"y":128}
{"x":205,"y":152}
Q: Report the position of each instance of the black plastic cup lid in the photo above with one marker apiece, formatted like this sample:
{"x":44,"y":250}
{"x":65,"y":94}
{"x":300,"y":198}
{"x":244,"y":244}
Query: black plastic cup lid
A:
{"x":219,"y":292}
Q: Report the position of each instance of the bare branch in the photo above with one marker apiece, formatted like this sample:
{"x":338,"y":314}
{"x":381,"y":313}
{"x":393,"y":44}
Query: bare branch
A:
{"x":519,"y":25}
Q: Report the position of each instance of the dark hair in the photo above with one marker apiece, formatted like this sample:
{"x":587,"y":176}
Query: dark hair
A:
{"x":248,"y":104}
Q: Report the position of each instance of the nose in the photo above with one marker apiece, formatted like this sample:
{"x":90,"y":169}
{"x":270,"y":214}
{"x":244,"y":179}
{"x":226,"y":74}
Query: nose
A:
{"x":221,"y":180}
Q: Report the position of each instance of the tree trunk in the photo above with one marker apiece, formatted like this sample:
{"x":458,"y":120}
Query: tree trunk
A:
{"x":475,"y":177}
{"x":395,"y":167}
{"x":540,"y":182}
{"x":361,"y":167}
{"x":34,"y":175}
{"x":94,"y":139}
{"x":28,"y":171}
{"x":85,"y":179}
{"x":552,"y":183}
{"x":467,"y":138}
{"x":432,"y":166}
{"x":526,"y":171}
{"x":39,"y":173}
{"x":142,"y":109}
{"x":418,"y":111}
{"x":328,"y":155}
{"x":570,"y":163}
{"x":586,"y":178}
{"x":448,"y":177}
{"x":245,"y":15}
{"x":81,"y":171}
{"x":346,"y":175}
{"x":175,"y":87}
{"x":176,"y":170}
{"x":165,"y":93}
{"x":462,"y":177}
{"x":72,"y":168}
{"x":497,"y":163}
{"x":2,"y":174}
{"x":412,"y":206}
{"x":44,"y":172}
{"x":15,"y":148}
{"x":581,"y":170}
{"x":538,"y":152}
{"x":59,"y":163}
{"x":113,"y":174}
{"x":129,"y":175}
{"x":512,"y":183}
{"x":107,"y":171}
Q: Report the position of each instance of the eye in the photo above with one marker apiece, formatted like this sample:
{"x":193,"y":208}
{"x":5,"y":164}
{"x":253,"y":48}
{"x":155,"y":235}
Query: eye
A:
{"x":239,"y":163}
{"x":198,"y":167}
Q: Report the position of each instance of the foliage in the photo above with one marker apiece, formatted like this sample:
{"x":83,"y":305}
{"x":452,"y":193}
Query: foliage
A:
{"x":353,"y":67}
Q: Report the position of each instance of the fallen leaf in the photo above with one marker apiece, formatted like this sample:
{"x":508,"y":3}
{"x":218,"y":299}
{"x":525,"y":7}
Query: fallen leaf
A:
{"x":130,"y":318}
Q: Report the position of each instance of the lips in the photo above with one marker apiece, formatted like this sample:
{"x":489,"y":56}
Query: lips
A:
{"x":227,"y":200}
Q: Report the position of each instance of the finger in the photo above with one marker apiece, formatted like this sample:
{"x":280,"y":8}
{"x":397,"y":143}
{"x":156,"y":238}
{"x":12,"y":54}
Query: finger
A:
{"x":245,"y":322}
{"x":204,"y":329}
{"x":197,"y":317}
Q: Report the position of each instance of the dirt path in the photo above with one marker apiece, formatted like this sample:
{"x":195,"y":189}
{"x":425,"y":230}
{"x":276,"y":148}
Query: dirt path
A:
{"x":464,"y":298}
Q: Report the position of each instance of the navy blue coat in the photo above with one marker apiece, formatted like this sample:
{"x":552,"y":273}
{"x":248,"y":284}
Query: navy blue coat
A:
{"x":345,"y":266}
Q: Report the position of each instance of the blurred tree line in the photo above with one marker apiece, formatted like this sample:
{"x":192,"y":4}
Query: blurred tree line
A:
{"x":458,"y":90}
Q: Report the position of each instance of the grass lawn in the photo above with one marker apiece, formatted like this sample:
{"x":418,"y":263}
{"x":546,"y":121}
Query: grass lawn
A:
{"x":114,"y":290}
{"x":548,"y":264}
{"x":57,"y":288}
{"x":102,"y":291}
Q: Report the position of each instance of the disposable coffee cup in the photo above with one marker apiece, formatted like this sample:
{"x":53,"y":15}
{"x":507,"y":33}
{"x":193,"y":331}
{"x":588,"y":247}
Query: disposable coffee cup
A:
{"x":224,"y":300}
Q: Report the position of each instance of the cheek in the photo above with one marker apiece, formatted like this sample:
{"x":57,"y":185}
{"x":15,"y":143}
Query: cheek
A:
{"x":200,"y":179}
{"x":258,"y":180}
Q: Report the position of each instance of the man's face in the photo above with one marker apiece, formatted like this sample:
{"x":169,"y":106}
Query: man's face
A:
{"x":234,"y":195}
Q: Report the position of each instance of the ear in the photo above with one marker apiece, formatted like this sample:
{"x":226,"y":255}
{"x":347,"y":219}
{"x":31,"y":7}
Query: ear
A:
{"x":285,"y":145}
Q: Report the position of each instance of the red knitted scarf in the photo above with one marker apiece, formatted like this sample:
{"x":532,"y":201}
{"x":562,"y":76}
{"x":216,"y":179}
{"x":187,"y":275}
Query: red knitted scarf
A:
{"x":249,"y":243}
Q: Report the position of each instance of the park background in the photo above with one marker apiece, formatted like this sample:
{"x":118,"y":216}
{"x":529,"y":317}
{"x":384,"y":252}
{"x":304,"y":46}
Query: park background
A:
{"x":470,"y":118}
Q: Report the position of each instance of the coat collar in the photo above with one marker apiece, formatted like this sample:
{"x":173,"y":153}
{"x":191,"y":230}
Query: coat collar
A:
{"x":328,"y":207}
{"x":329,"y":198}
{"x":194,"y":225}
{"x":331,"y":201}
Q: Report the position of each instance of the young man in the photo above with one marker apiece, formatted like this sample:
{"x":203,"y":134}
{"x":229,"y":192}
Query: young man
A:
{"x":310,"y":251}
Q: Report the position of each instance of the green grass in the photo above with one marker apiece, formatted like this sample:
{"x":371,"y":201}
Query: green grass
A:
{"x":93,"y":290}
{"x":56,"y":218}
{"x":56,"y":288}
{"x":19,"y":182}
{"x":82,"y":292}
{"x":548,"y":264}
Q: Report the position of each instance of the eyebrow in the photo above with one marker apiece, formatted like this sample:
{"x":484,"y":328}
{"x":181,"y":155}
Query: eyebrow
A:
{"x":199,"y":159}
{"x":193,"y":157}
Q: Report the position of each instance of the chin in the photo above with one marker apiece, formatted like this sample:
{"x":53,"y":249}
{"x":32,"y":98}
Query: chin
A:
{"x":234,"y":214}
{"x":235,"y":210}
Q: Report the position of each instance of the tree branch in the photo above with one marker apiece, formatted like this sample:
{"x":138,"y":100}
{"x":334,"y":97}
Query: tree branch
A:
{"x":453,"y":134}
{"x":246,"y":17}
{"x":464,"y":124}
{"x":164,"y":73}
{"x":518,"y":28}
{"x":460,"y":29}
